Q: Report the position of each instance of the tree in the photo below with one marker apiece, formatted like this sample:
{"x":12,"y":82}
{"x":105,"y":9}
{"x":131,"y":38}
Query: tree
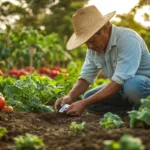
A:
{"x":53,"y":15}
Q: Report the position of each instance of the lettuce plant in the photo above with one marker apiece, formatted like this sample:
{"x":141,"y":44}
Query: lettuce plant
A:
{"x":110,"y":121}
{"x":127,"y":142}
{"x":32,"y":93}
{"x":140,"y":118}
{"x":77,"y":127}
{"x":27,"y":142}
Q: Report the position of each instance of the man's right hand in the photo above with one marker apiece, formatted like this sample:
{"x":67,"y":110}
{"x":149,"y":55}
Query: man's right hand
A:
{"x":62,"y":101}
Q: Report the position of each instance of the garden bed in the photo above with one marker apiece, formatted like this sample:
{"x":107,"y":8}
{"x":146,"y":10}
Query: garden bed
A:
{"x":53,"y":129}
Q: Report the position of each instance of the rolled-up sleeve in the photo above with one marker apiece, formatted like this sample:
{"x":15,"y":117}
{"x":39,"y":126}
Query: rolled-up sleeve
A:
{"x":89,"y":70}
{"x":128,"y":59}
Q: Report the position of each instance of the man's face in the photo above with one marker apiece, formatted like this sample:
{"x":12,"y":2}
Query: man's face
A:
{"x":98,"y":42}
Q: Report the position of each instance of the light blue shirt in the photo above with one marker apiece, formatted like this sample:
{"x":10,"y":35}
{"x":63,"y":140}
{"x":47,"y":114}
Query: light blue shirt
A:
{"x":126,"y":56}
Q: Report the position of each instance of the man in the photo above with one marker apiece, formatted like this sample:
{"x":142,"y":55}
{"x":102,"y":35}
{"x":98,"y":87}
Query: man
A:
{"x":120,"y":53}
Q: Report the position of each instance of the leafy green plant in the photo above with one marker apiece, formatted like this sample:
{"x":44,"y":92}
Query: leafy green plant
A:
{"x":23,"y":44}
{"x":140,"y":118}
{"x":110,"y":121}
{"x":27,"y":142}
{"x":32,"y":93}
{"x":68,"y":82}
{"x":77,"y":127}
{"x":4,"y":82}
{"x":3,"y":130}
{"x":99,"y":81}
{"x":127,"y":142}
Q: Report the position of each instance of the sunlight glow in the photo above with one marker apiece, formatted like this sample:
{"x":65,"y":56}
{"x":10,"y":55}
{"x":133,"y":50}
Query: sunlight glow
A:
{"x":106,"y":6}
{"x":120,"y":6}
{"x":139,"y":16}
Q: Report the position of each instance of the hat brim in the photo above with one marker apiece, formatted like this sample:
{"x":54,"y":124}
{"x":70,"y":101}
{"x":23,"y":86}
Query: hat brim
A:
{"x":76,"y":41}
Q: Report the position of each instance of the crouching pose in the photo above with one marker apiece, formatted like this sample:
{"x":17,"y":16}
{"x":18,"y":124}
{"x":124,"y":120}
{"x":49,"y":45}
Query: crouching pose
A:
{"x":120,"y":53}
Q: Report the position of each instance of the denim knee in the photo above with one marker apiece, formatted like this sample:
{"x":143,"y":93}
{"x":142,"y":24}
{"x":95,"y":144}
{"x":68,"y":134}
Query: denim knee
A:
{"x":136,"y":88}
{"x":92,"y":91}
{"x":87,"y":94}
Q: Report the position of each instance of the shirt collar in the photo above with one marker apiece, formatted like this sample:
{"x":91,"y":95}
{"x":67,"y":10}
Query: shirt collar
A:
{"x":113,"y":38}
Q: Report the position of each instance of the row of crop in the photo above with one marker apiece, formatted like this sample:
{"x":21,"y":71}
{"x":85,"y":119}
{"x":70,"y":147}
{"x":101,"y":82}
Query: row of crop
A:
{"x":37,"y":90}
{"x":31,"y":93}
{"x":50,"y":72}
{"x":21,"y":47}
{"x":30,"y":47}
{"x":110,"y":121}
{"x":138,"y":118}
{"x":35,"y":93}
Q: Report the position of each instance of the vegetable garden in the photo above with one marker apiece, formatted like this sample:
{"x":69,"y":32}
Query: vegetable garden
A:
{"x":35,"y":71}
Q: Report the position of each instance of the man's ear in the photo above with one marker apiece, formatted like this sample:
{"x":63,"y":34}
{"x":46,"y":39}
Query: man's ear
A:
{"x":107,"y":28}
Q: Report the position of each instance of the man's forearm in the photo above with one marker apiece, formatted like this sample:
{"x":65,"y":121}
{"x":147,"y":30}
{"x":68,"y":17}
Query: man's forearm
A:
{"x":79,"y":88}
{"x":104,"y":93}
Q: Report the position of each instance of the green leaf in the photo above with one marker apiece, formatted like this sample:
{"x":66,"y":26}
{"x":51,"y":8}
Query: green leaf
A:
{"x":3,"y":130}
{"x":110,"y":121}
{"x":127,"y":142}
{"x":138,"y":118}
{"x":77,"y":127}
{"x":27,"y":141}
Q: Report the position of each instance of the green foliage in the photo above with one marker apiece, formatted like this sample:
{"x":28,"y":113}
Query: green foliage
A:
{"x":127,"y":142}
{"x":68,"y":82}
{"x":3,"y":130}
{"x":77,"y":127}
{"x":79,"y":53}
{"x":31,"y":93}
{"x":27,"y":142}
{"x":35,"y":93}
{"x":4,"y":82}
{"x":53,"y":15}
{"x":61,"y":17}
{"x":110,"y":121}
{"x":141,"y":117}
{"x":30,"y":45}
{"x":99,"y":81}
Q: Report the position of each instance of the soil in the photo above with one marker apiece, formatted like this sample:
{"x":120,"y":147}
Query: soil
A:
{"x":53,"y":129}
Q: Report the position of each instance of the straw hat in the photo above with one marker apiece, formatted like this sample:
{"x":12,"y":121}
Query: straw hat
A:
{"x":86,"y":22}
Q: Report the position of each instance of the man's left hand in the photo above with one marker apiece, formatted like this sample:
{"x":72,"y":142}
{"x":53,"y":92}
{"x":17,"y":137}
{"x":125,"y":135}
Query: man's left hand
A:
{"x":76,"y":108}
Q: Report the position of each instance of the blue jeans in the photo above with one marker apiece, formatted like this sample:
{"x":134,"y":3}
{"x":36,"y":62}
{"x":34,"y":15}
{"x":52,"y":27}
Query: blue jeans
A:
{"x":126,"y":99}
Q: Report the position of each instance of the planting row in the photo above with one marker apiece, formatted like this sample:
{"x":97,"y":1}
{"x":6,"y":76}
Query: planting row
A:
{"x":110,"y":121}
{"x":35,"y":93}
{"x":50,"y":72}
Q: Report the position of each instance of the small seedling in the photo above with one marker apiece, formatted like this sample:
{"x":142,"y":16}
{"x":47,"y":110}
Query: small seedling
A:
{"x":27,"y":142}
{"x":127,"y":142}
{"x":77,"y":127}
{"x":3,"y":130}
{"x":110,"y":121}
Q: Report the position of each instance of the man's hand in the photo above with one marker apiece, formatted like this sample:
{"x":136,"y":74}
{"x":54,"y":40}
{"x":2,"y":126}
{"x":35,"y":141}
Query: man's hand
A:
{"x":76,"y":108}
{"x":62,"y":101}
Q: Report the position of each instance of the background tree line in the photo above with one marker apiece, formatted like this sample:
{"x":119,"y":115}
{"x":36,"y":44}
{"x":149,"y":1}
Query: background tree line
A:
{"x":45,"y":26}
{"x":56,"y":15}
{"x":48,"y":15}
